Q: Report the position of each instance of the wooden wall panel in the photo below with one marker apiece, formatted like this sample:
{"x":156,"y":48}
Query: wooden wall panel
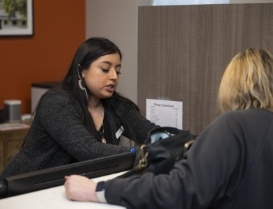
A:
{"x":183,"y":51}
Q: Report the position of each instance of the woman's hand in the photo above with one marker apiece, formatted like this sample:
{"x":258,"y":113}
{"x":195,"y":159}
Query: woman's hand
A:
{"x":80,"y":188}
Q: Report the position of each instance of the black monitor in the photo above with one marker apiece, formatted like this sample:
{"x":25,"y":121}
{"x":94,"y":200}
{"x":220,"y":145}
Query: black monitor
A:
{"x":51,"y":177}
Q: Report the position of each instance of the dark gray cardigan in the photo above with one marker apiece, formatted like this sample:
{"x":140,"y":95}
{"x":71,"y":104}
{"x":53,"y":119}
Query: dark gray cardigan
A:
{"x":230,"y":165}
{"x":58,"y":135}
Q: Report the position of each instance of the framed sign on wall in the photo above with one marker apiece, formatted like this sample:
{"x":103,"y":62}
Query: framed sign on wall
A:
{"x":16,"y":17}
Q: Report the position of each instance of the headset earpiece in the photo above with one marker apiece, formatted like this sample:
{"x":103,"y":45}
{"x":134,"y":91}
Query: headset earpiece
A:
{"x":79,"y":72}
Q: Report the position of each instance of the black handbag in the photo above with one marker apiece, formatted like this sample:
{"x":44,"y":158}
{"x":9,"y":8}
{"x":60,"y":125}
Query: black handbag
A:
{"x":162,"y":148}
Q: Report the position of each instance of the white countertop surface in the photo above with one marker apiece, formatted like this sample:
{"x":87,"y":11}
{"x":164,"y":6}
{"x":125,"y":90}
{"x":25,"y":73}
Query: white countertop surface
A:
{"x":53,"y":198}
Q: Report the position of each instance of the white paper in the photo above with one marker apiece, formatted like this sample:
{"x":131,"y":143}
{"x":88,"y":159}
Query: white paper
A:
{"x":165,"y":112}
{"x":13,"y":126}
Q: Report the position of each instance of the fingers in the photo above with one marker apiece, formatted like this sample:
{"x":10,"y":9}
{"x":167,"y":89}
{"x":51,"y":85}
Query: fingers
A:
{"x":79,"y":188}
{"x":70,"y":187}
{"x":67,"y":187}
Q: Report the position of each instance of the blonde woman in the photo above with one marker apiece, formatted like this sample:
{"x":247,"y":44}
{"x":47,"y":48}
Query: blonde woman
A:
{"x":230,"y":165}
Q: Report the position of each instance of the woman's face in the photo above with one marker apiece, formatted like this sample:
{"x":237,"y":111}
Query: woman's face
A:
{"x":102,"y":77}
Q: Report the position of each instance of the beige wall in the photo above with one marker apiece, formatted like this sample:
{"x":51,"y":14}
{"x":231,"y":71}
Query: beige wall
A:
{"x":117,"y":20}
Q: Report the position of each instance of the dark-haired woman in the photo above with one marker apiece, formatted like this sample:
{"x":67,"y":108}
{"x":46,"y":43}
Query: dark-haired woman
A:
{"x":84,"y":117}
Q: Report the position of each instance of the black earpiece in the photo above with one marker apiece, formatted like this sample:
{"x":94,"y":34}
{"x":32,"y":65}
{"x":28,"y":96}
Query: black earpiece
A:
{"x":79,"y":72}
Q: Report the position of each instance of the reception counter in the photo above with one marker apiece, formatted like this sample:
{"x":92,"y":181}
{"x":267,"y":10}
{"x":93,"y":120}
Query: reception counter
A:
{"x":53,"y":198}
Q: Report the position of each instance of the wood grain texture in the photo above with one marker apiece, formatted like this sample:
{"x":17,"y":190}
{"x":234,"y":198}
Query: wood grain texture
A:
{"x":183,"y":51}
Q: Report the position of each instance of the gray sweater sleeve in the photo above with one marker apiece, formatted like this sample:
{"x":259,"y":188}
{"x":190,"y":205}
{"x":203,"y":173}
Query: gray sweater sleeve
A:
{"x":135,"y":121}
{"x":61,"y":116}
{"x":58,"y":135}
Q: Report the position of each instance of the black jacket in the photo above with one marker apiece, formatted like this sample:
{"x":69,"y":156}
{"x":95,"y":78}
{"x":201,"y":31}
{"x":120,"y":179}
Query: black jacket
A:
{"x":230,"y":165}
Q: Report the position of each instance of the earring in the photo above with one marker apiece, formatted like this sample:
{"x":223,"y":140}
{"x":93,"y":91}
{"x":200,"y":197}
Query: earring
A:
{"x":82,"y":88}
{"x":80,"y":85}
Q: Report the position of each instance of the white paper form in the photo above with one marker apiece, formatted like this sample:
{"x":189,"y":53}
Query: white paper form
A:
{"x":165,"y":112}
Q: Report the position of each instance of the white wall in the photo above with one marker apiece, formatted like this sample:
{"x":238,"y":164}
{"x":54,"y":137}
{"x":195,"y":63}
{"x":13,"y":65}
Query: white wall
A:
{"x":117,"y":20}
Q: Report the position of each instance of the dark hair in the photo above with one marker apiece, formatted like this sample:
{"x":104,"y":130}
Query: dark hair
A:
{"x":89,"y":51}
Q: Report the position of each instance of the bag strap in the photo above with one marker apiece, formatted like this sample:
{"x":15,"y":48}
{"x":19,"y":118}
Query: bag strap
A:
{"x":142,"y":163}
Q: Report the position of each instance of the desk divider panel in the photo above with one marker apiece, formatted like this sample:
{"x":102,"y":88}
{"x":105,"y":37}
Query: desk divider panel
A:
{"x":183,"y":51}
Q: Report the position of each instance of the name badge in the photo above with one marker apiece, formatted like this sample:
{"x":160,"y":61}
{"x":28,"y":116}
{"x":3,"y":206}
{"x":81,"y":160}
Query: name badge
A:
{"x":119,"y":132}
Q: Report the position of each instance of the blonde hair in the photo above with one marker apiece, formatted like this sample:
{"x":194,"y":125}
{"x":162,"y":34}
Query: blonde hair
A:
{"x":247,"y":81}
